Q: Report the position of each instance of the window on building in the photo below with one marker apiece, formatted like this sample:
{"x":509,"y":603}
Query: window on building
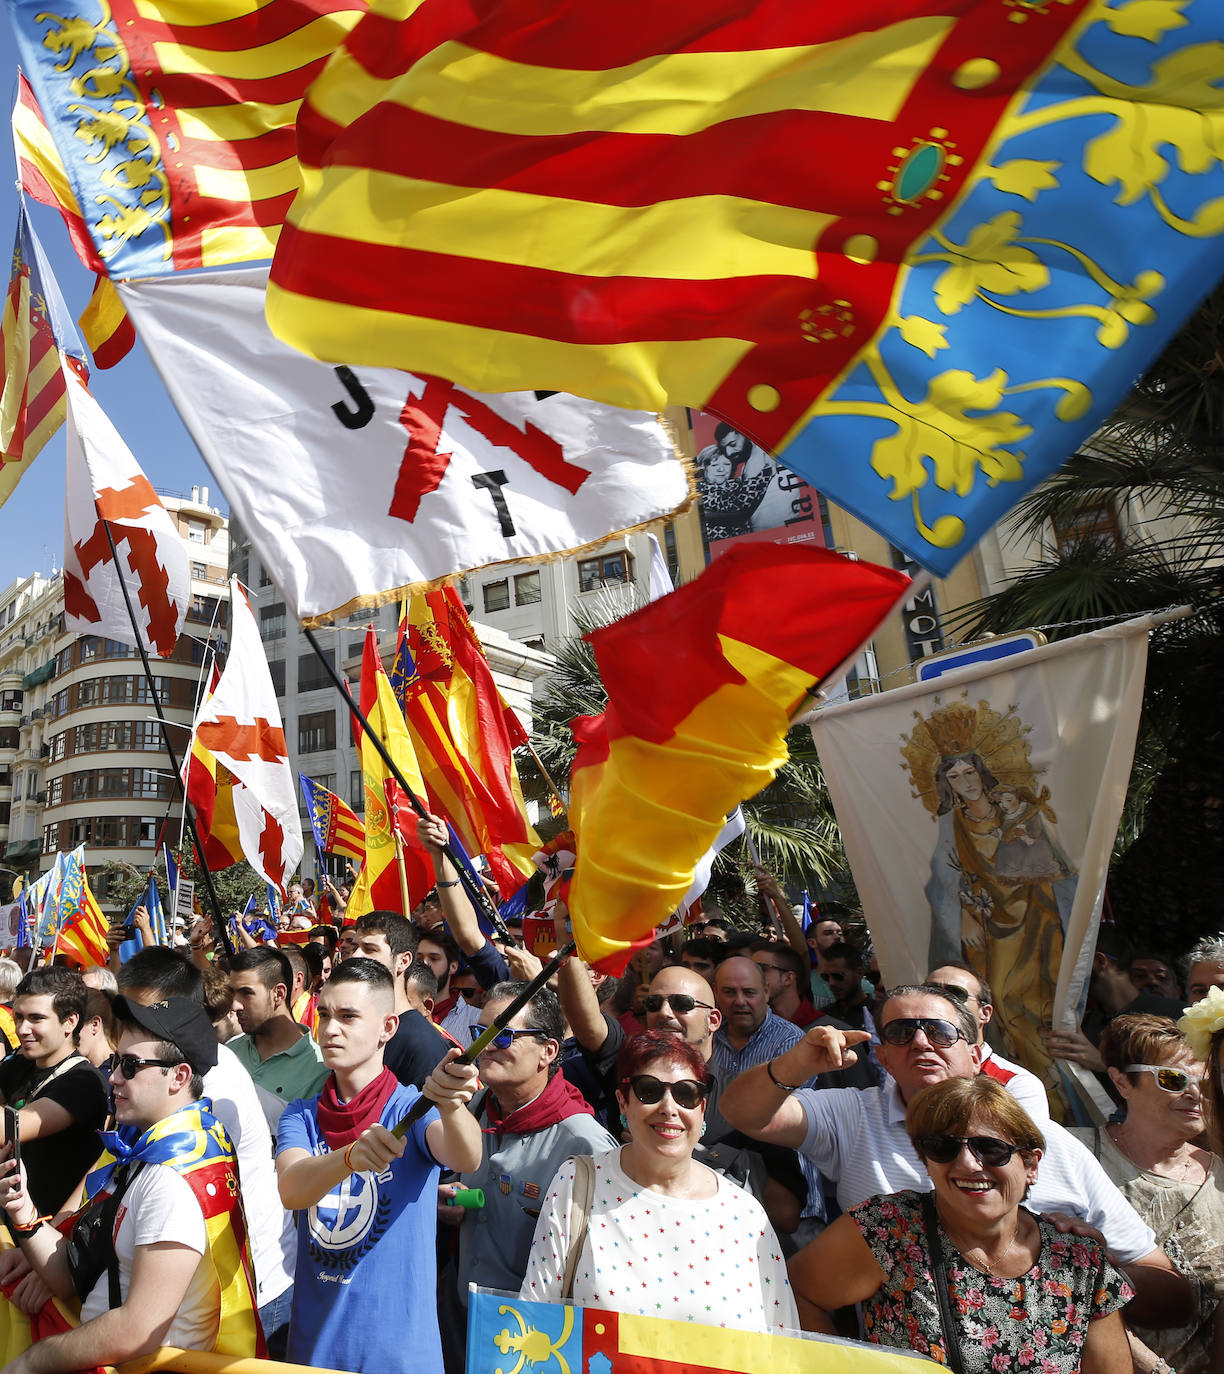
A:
{"x":316,"y":732}
{"x":17,"y":779}
{"x":89,"y":647}
{"x":527,"y":589}
{"x":11,"y":700}
{"x":272,"y":621}
{"x":50,"y":839}
{"x":197,"y":532}
{"x":83,"y":785}
{"x":312,"y":675}
{"x":356,"y":790}
{"x":1095,"y":523}
{"x":202,"y":608}
{"x":112,"y":648}
{"x":118,"y":689}
{"x":144,"y":831}
{"x":88,"y":694}
{"x":276,"y":666}
{"x":264,"y":579}
{"x":496,"y":595}
{"x":110,"y":831}
{"x":59,"y":746}
{"x":113,"y":782}
{"x":148,"y":782}
{"x":146,"y":734}
{"x":608,"y":568}
{"x":200,"y":571}
{"x":55,"y":792}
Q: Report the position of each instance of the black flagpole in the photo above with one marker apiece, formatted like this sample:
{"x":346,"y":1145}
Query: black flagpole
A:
{"x":188,"y":813}
{"x":474,"y":889}
{"x":423,"y":1104}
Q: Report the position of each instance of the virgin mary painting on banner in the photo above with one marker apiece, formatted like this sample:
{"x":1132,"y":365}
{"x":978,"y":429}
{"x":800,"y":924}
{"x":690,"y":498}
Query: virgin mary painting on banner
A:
{"x":979,"y":813}
{"x":1001,"y":889}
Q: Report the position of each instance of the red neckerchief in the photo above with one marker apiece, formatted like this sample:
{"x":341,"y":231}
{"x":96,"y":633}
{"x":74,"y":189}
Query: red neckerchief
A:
{"x":442,"y":1009}
{"x":560,"y":1099}
{"x":340,"y":1123}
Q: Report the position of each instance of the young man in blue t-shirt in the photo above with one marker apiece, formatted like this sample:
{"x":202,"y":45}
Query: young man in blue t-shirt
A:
{"x":367,"y":1202}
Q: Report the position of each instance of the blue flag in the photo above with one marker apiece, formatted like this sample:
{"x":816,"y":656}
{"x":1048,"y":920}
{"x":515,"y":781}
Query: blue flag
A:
{"x":807,"y":910}
{"x":23,"y":925}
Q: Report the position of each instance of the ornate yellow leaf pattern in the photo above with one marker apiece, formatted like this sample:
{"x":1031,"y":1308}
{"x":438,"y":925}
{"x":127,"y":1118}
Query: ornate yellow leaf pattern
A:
{"x":990,"y":260}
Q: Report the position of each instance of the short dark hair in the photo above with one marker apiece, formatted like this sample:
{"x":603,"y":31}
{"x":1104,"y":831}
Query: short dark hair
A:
{"x":421,"y":976}
{"x":542,"y":1012}
{"x":786,"y":957}
{"x":702,"y":948}
{"x":360,"y":969}
{"x":314,"y":955}
{"x":444,"y":940}
{"x":843,"y":949}
{"x":1114,"y":946}
{"x":648,"y":1047}
{"x":218,"y":995}
{"x":164,"y":971}
{"x":64,"y":986}
{"x":268,"y":962}
{"x":328,"y":934}
{"x":400,"y":933}
{"x":964,"y":1018}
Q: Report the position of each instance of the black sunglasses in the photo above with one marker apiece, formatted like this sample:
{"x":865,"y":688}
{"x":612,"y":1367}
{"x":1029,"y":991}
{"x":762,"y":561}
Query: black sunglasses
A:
{"x":129,"y":1065}
{"x":648,"y":1090}
{"x":680,"y":1002}
{"x":937,"y":1031}
{"x":986,"y":1149}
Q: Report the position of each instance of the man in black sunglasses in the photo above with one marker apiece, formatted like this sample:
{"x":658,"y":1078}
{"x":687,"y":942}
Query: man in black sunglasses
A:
{"x":857,"y":1138}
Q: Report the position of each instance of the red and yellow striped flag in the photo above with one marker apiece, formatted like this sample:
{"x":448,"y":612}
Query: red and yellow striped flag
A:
{"x":701,"y":685}
{"x":83,"y":938}
{"x":465,"y":735}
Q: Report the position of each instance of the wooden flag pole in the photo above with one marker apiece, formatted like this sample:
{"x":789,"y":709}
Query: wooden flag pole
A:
{"x":547,"y":776}
{"x":473,"y":887}
{"x":423,"y":1104}
{"x":171,"y":753}
{"x":405,"y":901}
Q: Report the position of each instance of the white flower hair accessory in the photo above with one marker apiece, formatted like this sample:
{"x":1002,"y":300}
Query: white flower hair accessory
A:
{"x":1202,"y":1021}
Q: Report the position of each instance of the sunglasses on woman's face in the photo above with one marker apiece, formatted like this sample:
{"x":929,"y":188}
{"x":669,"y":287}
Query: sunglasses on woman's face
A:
{"x":680,"y":1002}
{"x":937,"y":1031}
{"x":986,"y":1149}
{"x":1169,"y":1079}
{"x":648,"y":1090}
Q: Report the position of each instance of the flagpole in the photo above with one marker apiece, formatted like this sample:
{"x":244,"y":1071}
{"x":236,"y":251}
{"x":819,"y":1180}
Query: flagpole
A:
{"x":423,"y":1104}
{"x":474,"y":889}
{"x":403,"y":873}
{"x":188,"y":813}
{"x":544,"y":773}
{"x":209,"y":659}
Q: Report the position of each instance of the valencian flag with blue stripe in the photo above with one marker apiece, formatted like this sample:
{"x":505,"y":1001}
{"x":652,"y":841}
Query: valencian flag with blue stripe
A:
{"x":337,"y":827}
{"x":920,"y":250}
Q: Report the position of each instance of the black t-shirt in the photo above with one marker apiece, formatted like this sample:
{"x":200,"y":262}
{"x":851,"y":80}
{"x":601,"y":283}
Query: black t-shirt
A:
{"x":415,"y":1049}
{"x":55,"y":1164}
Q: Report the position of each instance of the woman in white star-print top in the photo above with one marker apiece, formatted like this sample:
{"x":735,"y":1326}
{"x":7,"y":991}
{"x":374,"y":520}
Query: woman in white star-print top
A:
{"x":667,"y":1237}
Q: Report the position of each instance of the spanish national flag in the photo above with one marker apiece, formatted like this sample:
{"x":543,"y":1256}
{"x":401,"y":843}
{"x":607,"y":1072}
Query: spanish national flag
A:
{"x":701,"y":685}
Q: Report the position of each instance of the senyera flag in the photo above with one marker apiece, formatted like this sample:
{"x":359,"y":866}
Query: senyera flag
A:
{"x":337,"y":827}
{"x":240,"y":725}
{"x":701,"y":685}
{"x":918,"y":251}
{"x":398,"y":480}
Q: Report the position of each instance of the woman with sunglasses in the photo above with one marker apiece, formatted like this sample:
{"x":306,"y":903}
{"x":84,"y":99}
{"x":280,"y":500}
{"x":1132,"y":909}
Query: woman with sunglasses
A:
{"x":964,"y":1273}
{"x":666,"y":1236}
{"x":1174,"y":1185}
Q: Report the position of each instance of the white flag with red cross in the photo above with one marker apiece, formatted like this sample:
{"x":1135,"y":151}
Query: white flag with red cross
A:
{"x":106,"y":484}
{"x":240,"y":724}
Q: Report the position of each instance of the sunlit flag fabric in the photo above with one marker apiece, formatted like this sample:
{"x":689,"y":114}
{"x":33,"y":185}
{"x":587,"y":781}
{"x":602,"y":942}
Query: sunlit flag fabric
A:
{"x":106,"y":484}
{"x":464,"y":734}
{"x":176,"y":122}
{"x":210,"y":790}
{"x":920,"y":250}
{"x":337,"y":827}
{"x":700,"y":684}
{"x":32,"y":404}
{"x":398,"y":481}
{"x":378,"y":886}
{"x":104,"y":322}
{"x":79,"y":922}
{"x":240,"y":725}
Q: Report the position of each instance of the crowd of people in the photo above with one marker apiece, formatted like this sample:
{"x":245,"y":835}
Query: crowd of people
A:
{"x":272,"y":1148}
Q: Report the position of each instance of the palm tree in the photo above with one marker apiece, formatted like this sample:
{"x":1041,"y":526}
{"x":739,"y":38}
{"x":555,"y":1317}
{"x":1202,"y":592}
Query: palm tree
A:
{"x":791,"y":821}
{"x":1161,"y":455}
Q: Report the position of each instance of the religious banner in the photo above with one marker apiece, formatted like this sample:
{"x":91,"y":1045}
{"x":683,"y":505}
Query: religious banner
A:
{"x":746,"y":495}
{"x":357,"y":485}
{"x":979,"y":813}
{"x":508,"y":1335}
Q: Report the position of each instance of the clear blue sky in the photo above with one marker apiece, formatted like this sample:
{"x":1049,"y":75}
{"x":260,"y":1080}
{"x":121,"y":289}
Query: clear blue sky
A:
{"x":32,"y":519}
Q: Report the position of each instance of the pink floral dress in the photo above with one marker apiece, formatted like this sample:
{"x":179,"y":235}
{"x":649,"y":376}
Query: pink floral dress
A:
{"x":1036,"y":1322}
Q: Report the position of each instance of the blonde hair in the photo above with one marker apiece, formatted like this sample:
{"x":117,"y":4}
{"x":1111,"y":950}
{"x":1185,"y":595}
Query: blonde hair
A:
{"x":950,"y":1108}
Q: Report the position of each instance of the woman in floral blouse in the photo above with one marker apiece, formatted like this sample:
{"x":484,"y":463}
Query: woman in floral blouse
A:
{"x":1022,"y":1295}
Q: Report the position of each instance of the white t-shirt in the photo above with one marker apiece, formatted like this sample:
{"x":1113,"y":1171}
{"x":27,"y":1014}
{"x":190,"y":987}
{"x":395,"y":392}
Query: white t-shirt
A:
{"x":713,"y":1260}
{"x":160,"y":1206}
{"x":857,"y":1138}
{"x":271,"y":1229}
{"x":1024,"y":1086}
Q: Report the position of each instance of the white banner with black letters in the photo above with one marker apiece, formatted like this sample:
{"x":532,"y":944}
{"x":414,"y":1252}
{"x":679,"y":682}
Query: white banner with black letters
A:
{"x":356,"y":483}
